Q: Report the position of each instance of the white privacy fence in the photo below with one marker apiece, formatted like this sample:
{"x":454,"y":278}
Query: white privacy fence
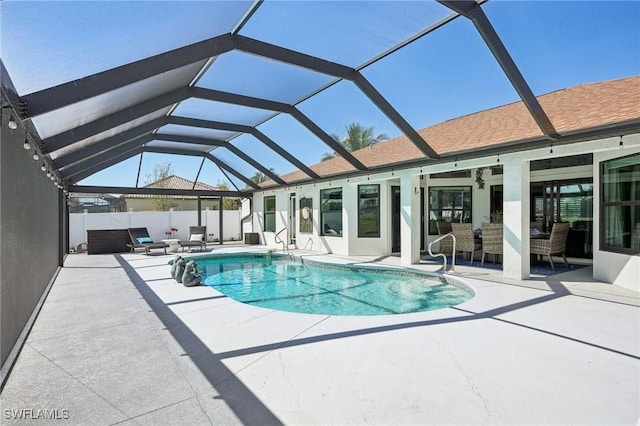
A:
{"x":158,"y":224}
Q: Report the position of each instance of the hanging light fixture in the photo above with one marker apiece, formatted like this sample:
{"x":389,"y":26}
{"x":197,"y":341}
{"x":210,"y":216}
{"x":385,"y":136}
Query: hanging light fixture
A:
{"x":43,"y":167}
{"x":26,"y":145}
{"x":35,"y":157}
{"x":12,"y":122}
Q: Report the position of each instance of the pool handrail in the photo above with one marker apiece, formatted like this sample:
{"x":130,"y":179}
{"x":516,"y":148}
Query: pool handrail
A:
{"x":279,"y":240}
{"x":444,"y":258}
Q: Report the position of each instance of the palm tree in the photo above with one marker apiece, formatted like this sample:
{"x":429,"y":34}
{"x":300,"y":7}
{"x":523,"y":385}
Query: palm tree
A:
{"x":261,"y":177}
{"x":358,"y":137}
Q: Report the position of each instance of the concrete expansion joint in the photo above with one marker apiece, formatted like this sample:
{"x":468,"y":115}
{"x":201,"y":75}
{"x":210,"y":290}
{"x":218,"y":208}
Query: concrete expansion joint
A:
{"x":129,"y":418}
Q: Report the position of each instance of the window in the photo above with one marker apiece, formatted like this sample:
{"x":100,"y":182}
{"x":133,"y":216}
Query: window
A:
{"x":331,"y":212}
{"x":450,"y":203}
{"x":270,"y":213}
{"x":451,"y":175}
{"x":620,"y":205}
{"x":368,"y":211}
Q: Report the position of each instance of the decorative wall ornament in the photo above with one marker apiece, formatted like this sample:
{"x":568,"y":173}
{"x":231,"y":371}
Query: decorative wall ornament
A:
{"x":306,"y":215}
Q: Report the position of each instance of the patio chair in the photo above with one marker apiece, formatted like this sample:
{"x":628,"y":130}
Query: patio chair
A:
{"x":491,"y":240}
{"x":140,"y":239}
{"x":446,"y":245}
{"x":197,"y":238}
{"x":535,"y":225}
{"x":465,"y":239}
{"x":556,"y":244}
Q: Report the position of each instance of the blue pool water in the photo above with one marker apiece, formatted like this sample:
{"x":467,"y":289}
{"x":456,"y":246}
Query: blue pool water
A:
{"x":296,"y":285}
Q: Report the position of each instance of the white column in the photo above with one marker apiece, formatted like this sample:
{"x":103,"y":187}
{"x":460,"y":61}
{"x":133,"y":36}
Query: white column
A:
{"x":409,"y":219}
{"x":349,"y":217}
{"x":516,"y":207}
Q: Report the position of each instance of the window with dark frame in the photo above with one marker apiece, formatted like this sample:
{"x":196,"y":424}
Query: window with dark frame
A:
{"x":331,"y":212}
{"x":620,"y":205}
{"x":368,"y":211}
{"x":449,"y":203}
{"x":270,"y":213}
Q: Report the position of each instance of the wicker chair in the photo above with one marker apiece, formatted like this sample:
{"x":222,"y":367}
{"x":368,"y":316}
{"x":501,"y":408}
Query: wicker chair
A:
{"x":491,"y":240}
{"x":465,"y":240}
{"x":446,"y":245}
{"x":556,"y":244}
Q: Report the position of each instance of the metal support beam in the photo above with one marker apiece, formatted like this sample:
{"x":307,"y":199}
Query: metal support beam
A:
{"x":331,"y":142}
{"x":292,"y":57}
{"x":108,"y":143}
{"x":87,"y":189}
{"x":185,"y":121}
{"x":284,"y":154}
{"x":220,"y":219}
{"x":255,"y":164}
{"x":233,"y":98}
{"x":108,"y":162}
{"x":475,"y":13}
{"x":84,"y":88}
{"x":115,"y":119}
{"x":281,"y":54}
{"x":234,"y":172}
{"x":223,"y":144}
{"x":249,"y":101}
{"x":195,"y":140}
{"x":88,"y":162}
{"x":367,"y":88}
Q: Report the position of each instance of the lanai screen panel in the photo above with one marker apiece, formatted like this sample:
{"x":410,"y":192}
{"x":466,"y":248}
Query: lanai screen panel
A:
{"x":296,"y":139}
{"x":425,"y":95}
{"x":96,"y":36}
{"x":219,"y":111}
{"x":109,"y":134}
{"x":255,"y":76}
{"x":348,"y":106}
{"x":349,"y":32}
{"x":267,"y":156}
{"x":83,"y":112}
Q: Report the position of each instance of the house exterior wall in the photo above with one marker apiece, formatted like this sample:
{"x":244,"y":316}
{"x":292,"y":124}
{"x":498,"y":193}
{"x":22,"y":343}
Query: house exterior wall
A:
{"x":616,"y":268}
{"x":30,"y":241}
{"x":609,"y":267}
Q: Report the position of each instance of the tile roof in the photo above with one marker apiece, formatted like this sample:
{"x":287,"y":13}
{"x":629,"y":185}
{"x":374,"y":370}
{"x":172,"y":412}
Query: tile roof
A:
{"x":174,"y":182}
{"x":576,"y":108}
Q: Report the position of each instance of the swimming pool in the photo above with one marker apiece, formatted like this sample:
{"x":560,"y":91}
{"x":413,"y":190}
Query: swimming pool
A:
{"x":294,"y":284}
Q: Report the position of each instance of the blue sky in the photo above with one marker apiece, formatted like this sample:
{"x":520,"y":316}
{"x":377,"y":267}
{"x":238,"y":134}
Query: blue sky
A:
{"x":447,"y":74}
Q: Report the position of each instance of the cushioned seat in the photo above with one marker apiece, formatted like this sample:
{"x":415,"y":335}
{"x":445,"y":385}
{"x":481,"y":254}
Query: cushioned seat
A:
{"x":140,"y":239}
{"x":197,"y":238}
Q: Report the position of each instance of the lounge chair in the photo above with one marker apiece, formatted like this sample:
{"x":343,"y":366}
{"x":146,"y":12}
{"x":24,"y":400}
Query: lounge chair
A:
{"x":140,"y":239}
{"x":197,"y":238}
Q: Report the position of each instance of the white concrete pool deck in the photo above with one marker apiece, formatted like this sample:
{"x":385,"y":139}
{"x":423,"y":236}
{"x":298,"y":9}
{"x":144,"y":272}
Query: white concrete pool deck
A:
{"x":118,"y":342}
